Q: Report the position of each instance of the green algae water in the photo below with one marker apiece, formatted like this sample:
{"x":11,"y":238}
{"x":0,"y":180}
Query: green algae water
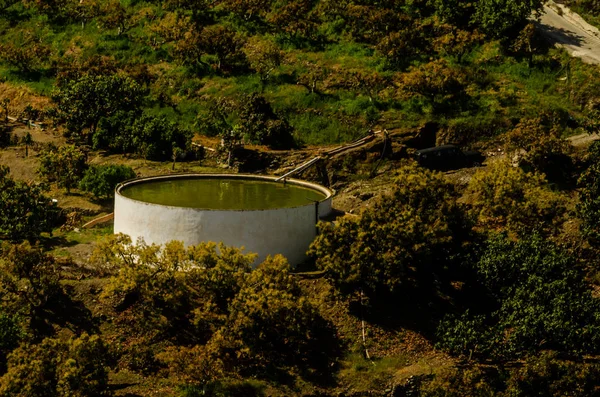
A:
{"x":222,"y":193}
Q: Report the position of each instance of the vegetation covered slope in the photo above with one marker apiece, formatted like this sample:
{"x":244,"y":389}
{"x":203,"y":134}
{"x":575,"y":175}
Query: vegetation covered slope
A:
{"x":483,"y":282}
{"x":328,"y":70}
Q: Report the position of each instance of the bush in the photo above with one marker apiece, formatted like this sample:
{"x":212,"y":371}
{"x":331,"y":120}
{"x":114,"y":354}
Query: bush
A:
{"x":223,"y":318}
{"x":83,"y":102}
{"x":25,"y":212}
{"x":541,"y":301}
{"x":259,"y":123}
{"x":544,"y":149}
{"x":151,"y":137}
{"x":589,"y":195}
{"x":29,"y":281}
{"x":64,"y":165}
{"x":508,"y":198}
{"x":101,"y":180}
{"x":412,"y":231}
{"x":75,"y":368}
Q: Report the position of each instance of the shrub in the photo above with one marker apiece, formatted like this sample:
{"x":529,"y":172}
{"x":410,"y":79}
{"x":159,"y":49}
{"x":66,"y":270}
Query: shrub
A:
{"x":541,"y":301}
{"x":589,"y":195}
{"x":151,"y":137}
{"x":101,"y":180}
{"x":412,"y":231}
{"x":259,"y":123}
{"x":83,"y":102}
{"x":64,"y":165}
{"x":25,"y":212}
{"x":544,"y":149}
{"x":29,"y":281}
{"x":75,"y":368}
{"x":508,"y":198}
{"x":223,"y":318}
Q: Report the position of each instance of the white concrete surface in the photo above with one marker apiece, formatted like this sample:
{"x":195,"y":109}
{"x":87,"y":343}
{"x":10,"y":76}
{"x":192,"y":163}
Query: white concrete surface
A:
{"x":286,"y":231}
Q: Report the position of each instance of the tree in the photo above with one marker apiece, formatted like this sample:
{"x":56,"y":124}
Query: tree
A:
{"x":408,"y":233}
{"x":29,"y":280}
{"x":101,"y":180}
{"x":148,"y":136}
{"x":527,"y":42}
{"x":456,"y":12}
{"x":541,"y":301}
{"x":64,"y":165}
{"x":544,"y":148}
{"x":311,"y":76}
{"x":276,"y":324}
{"x":82,"y":103}
{"x":456,"y":42}
{"x":263,"y":56}
{"x":10,"y":336}
{"x":400,"y":47}
{"x":296,"y":18}
{"x":25,"y":212}
{"x":508,"y":198}
{"x":358,"y":80}
{"x":589,"y":195}
{"x":222,"y":317}
{"x":77,"y":368}
{"x":439,"y":83}
{"x":115,"y":16}
{"x":248,"y":9}
{"x":259,"y":123}
{"x":226,"y":45}
{"x":25,"y":52}
{"x":496,"y":18}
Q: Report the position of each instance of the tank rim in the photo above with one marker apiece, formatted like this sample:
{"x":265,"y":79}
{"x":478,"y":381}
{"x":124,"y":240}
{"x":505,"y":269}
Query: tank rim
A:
{"x":329,"y":193}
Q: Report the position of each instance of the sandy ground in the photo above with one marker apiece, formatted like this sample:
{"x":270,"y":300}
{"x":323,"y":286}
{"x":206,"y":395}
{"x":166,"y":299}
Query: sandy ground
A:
{"x":568,"y":30}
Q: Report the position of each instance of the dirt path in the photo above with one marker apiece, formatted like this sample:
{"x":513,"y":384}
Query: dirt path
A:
{"x":583,"y":139}
{"x":568,"y":30}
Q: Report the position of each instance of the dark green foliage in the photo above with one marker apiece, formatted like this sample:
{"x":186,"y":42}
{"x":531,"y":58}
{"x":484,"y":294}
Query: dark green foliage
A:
{"x":150,"y":137}
{"x":10,"y":336}
{"x":82,"y":103}
{"x":25,"y":212}
{"x":29,"y":281}
{"x":542,"y":302}
{"x":497,"y":18}
{"x":101,"y":180}
{"x":64,"y":165}
{"x":589,"y":195}
{"x":397,"y":243}
{"x":259,"y":123}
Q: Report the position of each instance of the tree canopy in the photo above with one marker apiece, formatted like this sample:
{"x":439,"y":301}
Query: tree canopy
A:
{"x":408,"y":233}
{"x":25,"y":211}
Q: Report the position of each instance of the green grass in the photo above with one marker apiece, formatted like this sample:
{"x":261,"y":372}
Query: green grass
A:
{"x":363,"y":374}
{"x":509,"y":90}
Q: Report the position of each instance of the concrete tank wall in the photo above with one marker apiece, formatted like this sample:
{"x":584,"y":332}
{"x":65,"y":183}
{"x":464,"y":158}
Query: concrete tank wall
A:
{"x":286,"y":231}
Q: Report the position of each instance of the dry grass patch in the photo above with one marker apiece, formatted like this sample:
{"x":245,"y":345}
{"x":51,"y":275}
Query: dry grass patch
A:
{"x":20,"y":97}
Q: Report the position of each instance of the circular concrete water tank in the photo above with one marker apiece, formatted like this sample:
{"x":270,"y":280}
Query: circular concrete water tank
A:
{"x":238,"y":210}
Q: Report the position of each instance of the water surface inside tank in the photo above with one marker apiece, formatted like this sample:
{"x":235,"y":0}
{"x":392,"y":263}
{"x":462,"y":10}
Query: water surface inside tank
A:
{"x":222,"y":193}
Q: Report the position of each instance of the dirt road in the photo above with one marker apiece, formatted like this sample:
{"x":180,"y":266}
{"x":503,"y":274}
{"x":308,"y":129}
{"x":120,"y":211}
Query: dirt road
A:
{"x":568,"y":30}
